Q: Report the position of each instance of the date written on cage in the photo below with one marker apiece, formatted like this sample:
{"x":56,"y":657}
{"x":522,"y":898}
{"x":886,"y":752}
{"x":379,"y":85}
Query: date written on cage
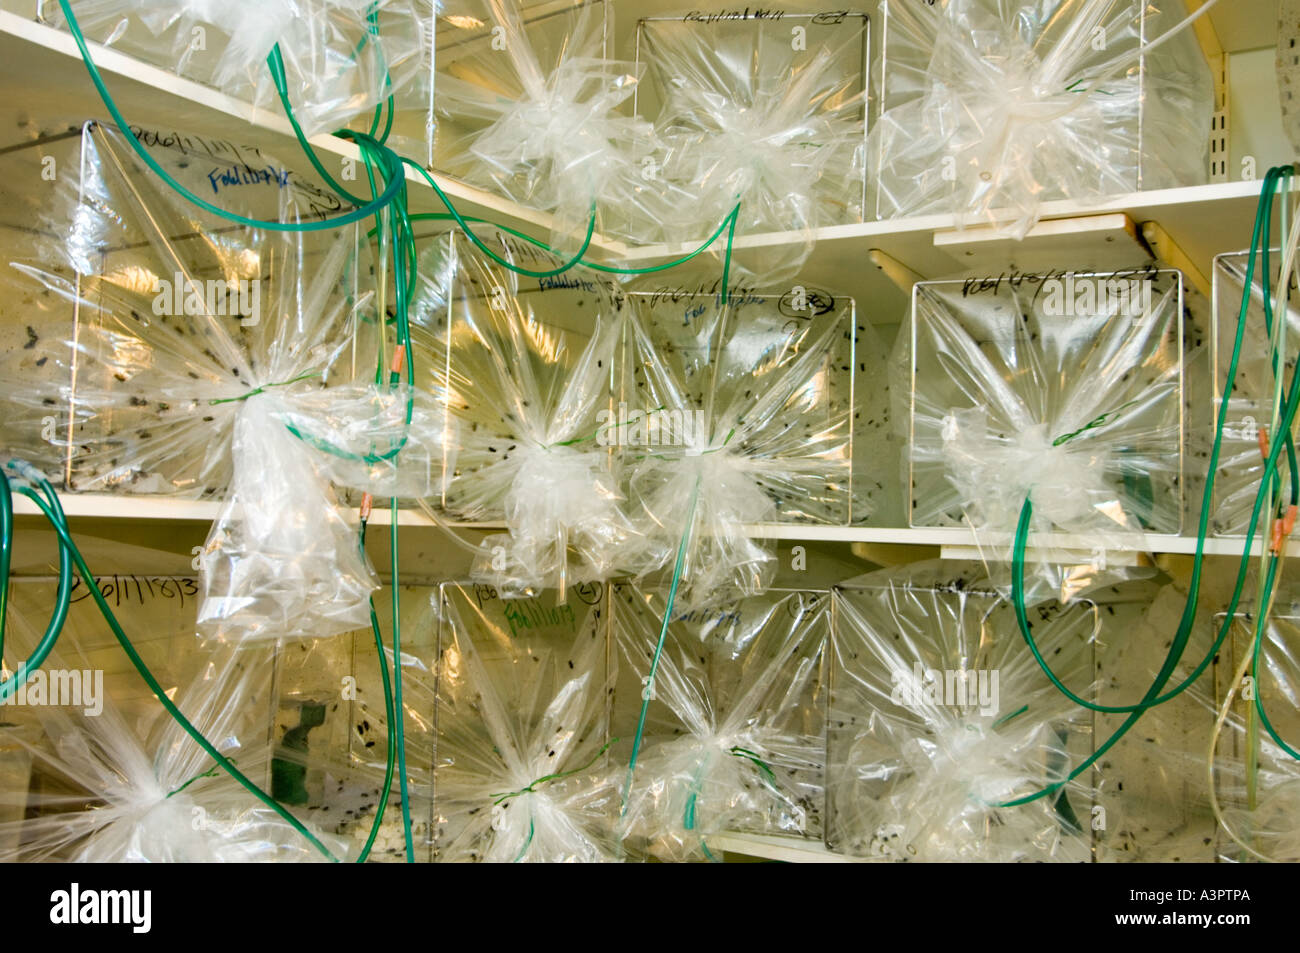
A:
{"x":1052,"y":280}
{"x":138,"y":589}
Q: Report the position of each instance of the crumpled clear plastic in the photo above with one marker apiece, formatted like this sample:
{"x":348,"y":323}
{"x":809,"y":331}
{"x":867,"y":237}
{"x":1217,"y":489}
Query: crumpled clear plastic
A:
{"x":751,"y":403}
{"x":538,"y":115}
{"x":174,"y":380}
{"x":734,"y":737}
{"x":1152,"y":802}
{"x":753,"y":111}
{"x":110,"y":792}
{"x":527,"y":384}
{"x":522,"y":726}
{"x":939,"y":714}
{"x":1250,"y":405}
{"x":342,"y":58}
{"x":989,"y":109}
{"x":1027,"y":390}
{"x":1258,"y":801}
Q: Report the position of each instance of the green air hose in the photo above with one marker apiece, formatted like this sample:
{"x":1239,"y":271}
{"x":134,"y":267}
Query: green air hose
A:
{"x":1182,"y":635}
{"x":53,"y":512}
{"x":395,"y":233}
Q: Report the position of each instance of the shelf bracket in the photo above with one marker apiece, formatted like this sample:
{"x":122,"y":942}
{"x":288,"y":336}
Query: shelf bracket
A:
{"x":894,"y":270}
{"x":1166,"y":250}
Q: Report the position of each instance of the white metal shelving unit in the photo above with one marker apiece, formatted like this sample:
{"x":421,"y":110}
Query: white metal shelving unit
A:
{"x":875,"y":262}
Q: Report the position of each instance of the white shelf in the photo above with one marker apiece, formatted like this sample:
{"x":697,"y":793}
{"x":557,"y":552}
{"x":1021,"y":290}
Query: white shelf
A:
{"x":788,"y":850}
{"x":141,"y":507}
{"x":159,"y":98}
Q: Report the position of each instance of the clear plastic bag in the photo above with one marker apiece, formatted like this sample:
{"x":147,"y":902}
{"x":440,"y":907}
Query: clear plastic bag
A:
{"x":989,"y":109}
{"x":939,"y":717}
{"x":531,"y":106}
{"x":342,"y":58}
{"x":331,"y":730}
{"x":1066,"y":390}
{"x":732,"y":414}
{"x":527,"y":384}
{"x":767,"y":113}
{"x":735,"y":731}
{"x":249,"y":384}
{"x":1152,"y":803}
{"x":522,"y":723}
{"x":1256,"y":781}
{"x":1250,"y":405}
{"x":105,"y":791}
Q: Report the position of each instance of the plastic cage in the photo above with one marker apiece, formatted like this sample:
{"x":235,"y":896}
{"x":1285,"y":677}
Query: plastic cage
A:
{"x":735,"y":731}
{"x":1068,"y":386}
{"x":770,"y":106}
{"x":1250,"y":407}
{"x":522,"y":725}
{"x":987,"y":107}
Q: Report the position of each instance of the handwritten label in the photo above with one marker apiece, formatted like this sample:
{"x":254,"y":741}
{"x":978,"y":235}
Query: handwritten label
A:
{"x":747,"y":13}
{"x":247,"y":175}
{"x":992,"y":284}
{"x":138,"y":589}
{"x":736,"y":295}
{"x":567,"y":281}
{"x":523,"y":615}
{"x":814,"y":303}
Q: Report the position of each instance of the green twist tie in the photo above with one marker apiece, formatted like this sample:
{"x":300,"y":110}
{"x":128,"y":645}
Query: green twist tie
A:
{"x":768,"y":774}
{"x":598,"y":430}
{"x":1094,"y":423}
{"x":501,"y":797}
{"x":259,"y":390}
{"x":206,"y":774}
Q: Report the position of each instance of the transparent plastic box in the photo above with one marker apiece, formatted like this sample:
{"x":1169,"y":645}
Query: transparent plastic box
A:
{"x":506,"y":347}
{"x":735,"y":731}
{"x":1069,"y":384}
{"x":768,"y":376}
{"x":522,"y":725}
{"x":330,"y":729}
{"x":152,"y":309}
{"x":1256,"y":781}
{"x":1250,"y":407}
{"x":766,"y":106}
{"x":983,"y":114}
{"x":472,"y":53}
{"x":939,"y":717}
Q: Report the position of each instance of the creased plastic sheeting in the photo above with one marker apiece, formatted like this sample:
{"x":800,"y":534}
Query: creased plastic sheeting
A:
{"x":1152,"y":801}
{"x":528,"y":386}
{"x":523,"y":710}
{"x":1250,"y":404}
{"x":281,"y":560}
{"x":734,"y":737}
{"x":332,"y":751}
{"x":750,"y":111}
{"x":1256,"y":781}
{"x":991,"y":108}
{"x":1064,"y":390}
{"x":342,"y":57}
{"x":178,"y":314}
{"x":938,"y":714}
{"x":732,"y":414}
{"x":541,"y":116}
{"x":110,"y":794}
